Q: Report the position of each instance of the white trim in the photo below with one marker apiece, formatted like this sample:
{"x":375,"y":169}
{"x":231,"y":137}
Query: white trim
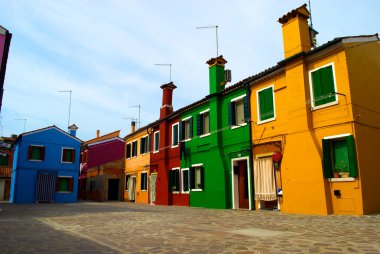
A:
{"x":179,"y":169}
{"x":205,"y":135}
{"x":249,"y":181}
{"x":186,"y":118}
{"x":191,"y":131}
{"x":313,"y":107}
{"x":154,"y":142}
{"x":197,"y":165}
{"x":174,"y":146}
{"x":188,"y":180}
{"x":238,"y":126}
{"x":106,"y":140}
{"x":344,"y":179}
{"x":238,"y":98}
{"x":258,"y":105}
{"x":67,"y":162}
{"x":338,"y":136}
{"x":144,"y":172}
{"x":204,"y":111}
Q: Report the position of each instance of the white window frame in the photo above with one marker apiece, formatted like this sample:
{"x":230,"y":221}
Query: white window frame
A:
{"x":144,"y":172}
{"x":258,"y":105}
{"x":184,"y":120}
{"x":313,"y":107}
{"x":67,"y":162}
{"x":188,"y":180}
{"x":154,"y":142}
{"x":197,"y":165}
{"x":241,"y":97}
{"x":177,"y":123}
{"x":209,"y":125}
{"x":147,"y":150}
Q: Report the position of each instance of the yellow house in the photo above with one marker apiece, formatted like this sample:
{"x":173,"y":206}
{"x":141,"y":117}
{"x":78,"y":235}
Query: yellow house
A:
{"x":315,"y":118}
{"x":137,"y":165}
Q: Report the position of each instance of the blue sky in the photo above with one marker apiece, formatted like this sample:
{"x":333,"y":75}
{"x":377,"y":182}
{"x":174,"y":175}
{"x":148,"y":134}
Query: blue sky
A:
{"x":106,"y":51}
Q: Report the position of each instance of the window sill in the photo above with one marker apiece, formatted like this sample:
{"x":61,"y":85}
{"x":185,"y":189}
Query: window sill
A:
{"x":186,"y":140}
{"x":155,"y":151}
{"x":196,"y":189}
{"x":185,"y":192}
{"x":36,"y":160}
{"x":324,"y":105}
{"x":205,"y":135}
{"x":175,"y":146}
{"x":176,"y":192}
{"x":344,"y":179}
{"x":238,"y":126}
{"x":143,"y":190}
{"x":266,"y":121}
{"x":67,"y":162}
{"x":64,"y":192}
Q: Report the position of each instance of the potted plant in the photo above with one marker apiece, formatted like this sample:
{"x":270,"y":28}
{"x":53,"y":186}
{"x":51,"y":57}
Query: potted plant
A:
{"x":341,"y":169}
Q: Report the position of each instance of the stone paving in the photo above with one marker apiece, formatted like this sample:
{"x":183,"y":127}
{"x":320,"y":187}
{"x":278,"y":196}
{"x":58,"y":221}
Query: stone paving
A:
{"x":121,"y":227}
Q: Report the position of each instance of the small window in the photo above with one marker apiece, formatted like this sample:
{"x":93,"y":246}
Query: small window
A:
{"x":175,"y":135}
{"x":322,"y":86}
{"x":238,"y":111}
{"x":134,"y":148}
{"x":144,"y":145}
{"x":186,"y":129}
{"x":185,"y":180}
{"x":174,"y":182}
{"x":144,"y":181}
{"x":265,"y":105}
{"x":128,"y":151}
{"x":36,"y":153}
{"x":156,"y":141}
{"x":197,"y":178}
{"x":68,"y":155}
{"x":203,"y":123}
{"x":339,"y":157}
{"x":65,"y":184}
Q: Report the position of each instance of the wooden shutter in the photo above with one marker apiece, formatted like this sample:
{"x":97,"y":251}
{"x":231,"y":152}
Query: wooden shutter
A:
{"x":327,"y":83}
{"x":266,"y":104}
{"x":327,"y":158}
{"x":246,"y":109}
{"x":192,"y":178}
{"x":199,"y":124}
{"x":353,"y":164}
{"x":317,"y":87}
{"x":231,"y":114}
{"x":202,"y":178}
{"x":71,"y":184}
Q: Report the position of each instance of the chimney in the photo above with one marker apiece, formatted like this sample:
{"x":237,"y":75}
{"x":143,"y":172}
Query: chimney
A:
{"x":216,"y":74}
{"x":133,"y":126}
{"x":296,"y":31}
{"x":97,"y":133}
{"x":73,"y":130}
{"x":167,"y":97}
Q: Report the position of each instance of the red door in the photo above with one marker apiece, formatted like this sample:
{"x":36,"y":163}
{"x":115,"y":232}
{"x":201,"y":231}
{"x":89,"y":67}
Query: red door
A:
{"x":243,"y":184}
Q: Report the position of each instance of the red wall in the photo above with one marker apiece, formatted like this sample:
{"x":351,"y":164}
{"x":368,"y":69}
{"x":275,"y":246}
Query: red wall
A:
{"x":104,"y":152}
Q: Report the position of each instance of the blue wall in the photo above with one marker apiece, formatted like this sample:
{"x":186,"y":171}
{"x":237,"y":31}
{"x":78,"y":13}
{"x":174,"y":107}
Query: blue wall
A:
{"x":25,"y":172}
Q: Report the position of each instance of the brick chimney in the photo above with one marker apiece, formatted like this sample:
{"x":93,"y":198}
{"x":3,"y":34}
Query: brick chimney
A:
{"x":216,"y":74}
{"x":167,"y":97}
{"x":296,"y":31}
{"x":133,"y":126}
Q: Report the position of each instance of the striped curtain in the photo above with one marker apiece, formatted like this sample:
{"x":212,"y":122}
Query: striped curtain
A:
{"x":265,"y":186}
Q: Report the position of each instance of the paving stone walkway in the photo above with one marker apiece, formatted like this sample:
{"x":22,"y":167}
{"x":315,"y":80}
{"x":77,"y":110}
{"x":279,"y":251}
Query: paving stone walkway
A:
{"x":122,"y":227}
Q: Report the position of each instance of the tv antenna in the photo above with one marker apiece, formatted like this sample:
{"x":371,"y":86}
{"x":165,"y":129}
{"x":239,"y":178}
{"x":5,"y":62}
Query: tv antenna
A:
{"x":216,"y":33}
{"x":137,"y":106}
{"x":21,"y":119}
{"x":170,"y":70}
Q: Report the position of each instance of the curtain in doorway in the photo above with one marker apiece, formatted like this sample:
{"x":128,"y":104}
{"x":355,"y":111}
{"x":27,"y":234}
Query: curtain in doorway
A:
{"x":152,"y":188}
{"x":131,"y":188}
{"x":265,"y":186}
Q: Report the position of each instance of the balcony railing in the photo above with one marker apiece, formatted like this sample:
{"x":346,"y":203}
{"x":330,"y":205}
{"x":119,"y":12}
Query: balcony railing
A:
{"x":5,"y":171}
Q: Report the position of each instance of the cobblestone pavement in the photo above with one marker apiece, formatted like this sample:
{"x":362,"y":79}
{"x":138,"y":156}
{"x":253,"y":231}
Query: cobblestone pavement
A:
{"x":121,"y":227}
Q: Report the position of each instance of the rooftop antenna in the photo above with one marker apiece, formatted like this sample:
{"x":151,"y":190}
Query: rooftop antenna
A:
{"x":313,"y":33}
{"x":68,"y":91}
{"x":170,"y":69}
{"x":216,"y":32}
{"x":137,"y":106}
{"x":21,"y":119}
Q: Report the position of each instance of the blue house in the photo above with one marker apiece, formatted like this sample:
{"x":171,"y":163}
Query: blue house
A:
{"x":46,"y":166}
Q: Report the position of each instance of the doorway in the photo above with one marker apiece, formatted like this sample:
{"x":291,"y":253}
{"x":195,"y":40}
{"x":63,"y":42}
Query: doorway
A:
{"x":241,"y":184}
{"x":113,"y":189}
{"x":152,"y":188}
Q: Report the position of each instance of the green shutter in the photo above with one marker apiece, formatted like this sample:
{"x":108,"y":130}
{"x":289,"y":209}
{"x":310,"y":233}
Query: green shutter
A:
{"x":192,"y":178}
{"x":181,"y":131}
{"x":266,"y":104}
{"x":177,"y":180}
{"x":323,"y":86}
{"x":141,"y":145}
{"x":246,"y":109}
{"x":327,"y":160}
{"x":353,"y":164}
{"x":199,"y":124}
{"x":231,"y":114}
